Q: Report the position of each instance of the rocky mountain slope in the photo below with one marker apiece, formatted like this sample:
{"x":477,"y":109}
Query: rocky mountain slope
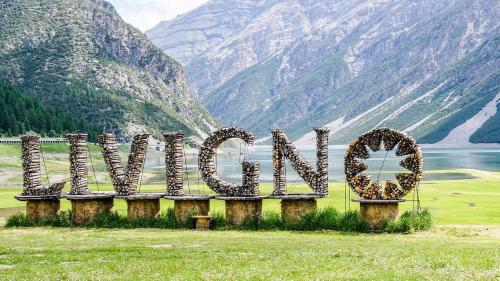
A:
{"x":425,"y":67}
{"x":81,"y":56}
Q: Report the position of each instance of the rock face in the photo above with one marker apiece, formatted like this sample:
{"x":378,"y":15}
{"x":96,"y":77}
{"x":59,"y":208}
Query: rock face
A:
{"x":423,"y":67}
{"x":82,"y":56}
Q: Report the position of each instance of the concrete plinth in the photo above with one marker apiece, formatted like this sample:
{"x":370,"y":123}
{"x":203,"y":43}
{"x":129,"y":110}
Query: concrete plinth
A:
{"x":85,"y":208}
{"x":239,"y":209}
{"x":375,"y":212}
{"x":184,"y":206}
{"x":202,"y":222}
{"x":40,"y":207}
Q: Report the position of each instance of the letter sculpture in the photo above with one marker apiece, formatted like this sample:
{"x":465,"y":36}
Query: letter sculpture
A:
{"x":174,"y":158}
{"x":124,"y":182}
{"x":78,"y":151}
{"x":32,"y":185}
{"x":360,"y":183}
{"x":283,"y":148}
{"x":250,"y":179}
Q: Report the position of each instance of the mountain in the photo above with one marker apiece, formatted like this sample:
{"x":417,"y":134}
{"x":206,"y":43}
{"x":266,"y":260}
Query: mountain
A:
{"x":80,"y":56}
{"x":426,"y":67}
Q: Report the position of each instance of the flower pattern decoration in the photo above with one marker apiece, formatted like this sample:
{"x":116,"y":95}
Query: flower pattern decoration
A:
{"x":388,"y":139}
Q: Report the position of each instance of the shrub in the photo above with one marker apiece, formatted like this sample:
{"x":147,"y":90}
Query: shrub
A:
{"x":321,"y":219}
{"x":19,"y":220}
{"x":410,"y":221}
{"x":269,"y":220}
{"x":218,"y":221}
{"x":63,"y":219}
{"x":165,"y":219}
{"x":331,"y":219}
{"x":109,"y":220}
{"x":352,"y":221}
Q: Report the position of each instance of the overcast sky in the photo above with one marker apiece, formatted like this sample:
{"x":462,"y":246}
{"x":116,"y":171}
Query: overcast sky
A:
{"x":145,"y":14}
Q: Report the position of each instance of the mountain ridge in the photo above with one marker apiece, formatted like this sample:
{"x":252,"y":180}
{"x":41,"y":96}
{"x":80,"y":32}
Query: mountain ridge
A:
{"x":300,"y":64}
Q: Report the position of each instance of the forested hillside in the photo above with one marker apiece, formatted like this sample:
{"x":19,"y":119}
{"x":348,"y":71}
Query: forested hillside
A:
{"x":23,"y":113}
{"x":81,"y":57}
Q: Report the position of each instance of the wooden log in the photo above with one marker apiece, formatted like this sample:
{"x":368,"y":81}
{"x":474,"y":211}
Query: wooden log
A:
{"x":184,"y":208}
{"x":238,"y":210}
{"x":78,"y":152}
{"x":174,"y":163}
{"x":143,"y":208}
{"x":293,"y":209}
{"x":37,"y":210}
{"x":202,"y":222}
{"x":84,"y":211}
{"x":406,"y":145}
{"x":208,"y":171}
{"x":376,"y":212}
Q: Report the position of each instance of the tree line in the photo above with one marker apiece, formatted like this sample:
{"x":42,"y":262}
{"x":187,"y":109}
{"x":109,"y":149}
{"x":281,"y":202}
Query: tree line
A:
{"x":22,"y":112}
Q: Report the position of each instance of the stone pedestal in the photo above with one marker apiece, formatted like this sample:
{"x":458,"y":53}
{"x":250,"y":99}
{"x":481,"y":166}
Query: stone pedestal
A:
{"x":293,"y":206}
{"x":239,"y":209}
{"x":187,"y":205}
{"x":142,"y":205}
{"x":375,"y":212}
{"x":202,"y":222}
{"x":85,"y":208}
{"x":40,"y":207}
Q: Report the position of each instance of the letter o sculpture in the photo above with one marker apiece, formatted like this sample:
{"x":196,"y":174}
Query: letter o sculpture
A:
{"x":250,"y":179}
{"x":406,"y":145}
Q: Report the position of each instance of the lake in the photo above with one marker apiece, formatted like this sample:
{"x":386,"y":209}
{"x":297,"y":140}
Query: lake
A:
{"x":435,"y":159}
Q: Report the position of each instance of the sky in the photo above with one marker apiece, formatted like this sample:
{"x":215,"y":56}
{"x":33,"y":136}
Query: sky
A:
{"x":145,"y":14}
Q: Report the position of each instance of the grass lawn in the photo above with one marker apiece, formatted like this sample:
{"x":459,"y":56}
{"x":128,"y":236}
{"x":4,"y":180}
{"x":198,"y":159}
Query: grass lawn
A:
{"x":445,"y":253}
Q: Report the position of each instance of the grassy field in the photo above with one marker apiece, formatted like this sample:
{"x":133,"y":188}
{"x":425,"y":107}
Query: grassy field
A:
{"x":445,"y":253}
{"x":464,"y":244}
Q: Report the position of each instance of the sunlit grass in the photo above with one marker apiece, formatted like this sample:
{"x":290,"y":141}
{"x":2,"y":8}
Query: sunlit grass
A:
{"x":106,"y":254}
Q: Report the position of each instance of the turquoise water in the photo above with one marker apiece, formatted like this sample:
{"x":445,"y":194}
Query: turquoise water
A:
{"x":228,"y":164}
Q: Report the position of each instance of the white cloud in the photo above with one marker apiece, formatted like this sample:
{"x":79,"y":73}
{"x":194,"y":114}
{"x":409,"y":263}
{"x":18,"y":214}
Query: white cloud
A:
{"x":145,"y":14}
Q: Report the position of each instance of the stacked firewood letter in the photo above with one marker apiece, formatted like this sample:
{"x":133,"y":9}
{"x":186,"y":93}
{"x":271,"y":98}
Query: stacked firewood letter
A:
{"x":78,"y":151}
{"x":362,"y":184}
{"x":174,"y":161}
{"x":283,"y":148}
{"x":32,"y":184}
{"x":124,"y":182}
{"x":250,"y":185}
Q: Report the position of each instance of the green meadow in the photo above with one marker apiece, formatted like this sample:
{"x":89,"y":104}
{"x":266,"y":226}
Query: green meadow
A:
{"x":464,"y":243}
{"x":444,"y":253}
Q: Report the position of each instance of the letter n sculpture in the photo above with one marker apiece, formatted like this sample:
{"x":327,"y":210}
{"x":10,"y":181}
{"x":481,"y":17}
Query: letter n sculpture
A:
{"x":283,"y":148}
